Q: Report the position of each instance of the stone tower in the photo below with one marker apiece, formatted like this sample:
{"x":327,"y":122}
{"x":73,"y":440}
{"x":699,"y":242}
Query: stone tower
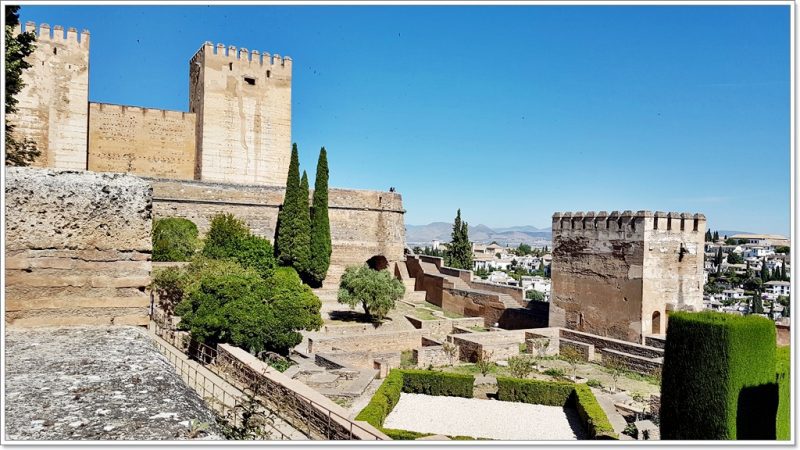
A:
{"x":54,"y":104}
{"x":618,"y":274}
{"x":243,"y":105}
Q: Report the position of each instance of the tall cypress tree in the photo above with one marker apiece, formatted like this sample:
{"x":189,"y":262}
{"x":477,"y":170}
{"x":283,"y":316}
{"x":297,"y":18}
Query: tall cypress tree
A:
{"x":287,"y":217}
{"x":764,"y":271}
{"x":708,"y":236}
{"x":459,"y":255}
{"x":303,"y":240}
{"x":320,"y":258}
{"x":716,"y":236}
{"x":783,"y":272}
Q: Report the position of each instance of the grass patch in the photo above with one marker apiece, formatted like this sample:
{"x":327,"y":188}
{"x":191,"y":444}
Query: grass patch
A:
{"x":478,"y":328}
{"x":424,"y":314}
{"x":407,"y":359}
{"x":783,"y":425}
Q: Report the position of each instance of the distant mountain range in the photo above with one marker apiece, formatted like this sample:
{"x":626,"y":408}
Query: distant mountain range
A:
{"x":440,"y":231}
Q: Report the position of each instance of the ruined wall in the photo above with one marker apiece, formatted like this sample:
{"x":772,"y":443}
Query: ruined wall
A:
{"x":77,"y":248}
{"x":597,"y":273}
{"x":614,"y":273}
{"x":363,"y":223}
{"x":53,"y":106}
{"x":244,"y":112}
{"x":142,"y":141}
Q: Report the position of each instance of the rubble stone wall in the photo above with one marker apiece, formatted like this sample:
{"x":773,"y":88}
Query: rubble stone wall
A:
{"x":77,"y":248}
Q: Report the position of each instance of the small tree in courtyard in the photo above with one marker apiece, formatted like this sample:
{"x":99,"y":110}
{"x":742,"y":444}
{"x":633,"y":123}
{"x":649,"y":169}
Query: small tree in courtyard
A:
{"x":375,"y":290}
{"x":450,"y":350}
{"x":484,"y":363}
{"x":539,"y":347}
{"x":572,"y":356}
{"x":520,"y":366}
{"x":616,"y":369}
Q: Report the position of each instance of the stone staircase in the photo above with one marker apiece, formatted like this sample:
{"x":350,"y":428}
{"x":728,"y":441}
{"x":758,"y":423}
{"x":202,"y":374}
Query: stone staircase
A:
{"x":332,"y":278}
{"x":411,"y":296}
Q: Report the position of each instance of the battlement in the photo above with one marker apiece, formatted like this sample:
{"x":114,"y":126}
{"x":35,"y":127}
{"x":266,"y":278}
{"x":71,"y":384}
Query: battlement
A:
{"x":147,"y":112}
{"x":56,"y":35}
{"x":242,"y":55}
{"x":628,"y":221}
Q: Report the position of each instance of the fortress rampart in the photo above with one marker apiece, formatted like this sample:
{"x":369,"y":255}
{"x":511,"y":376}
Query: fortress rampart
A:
{"x":617,"y":274}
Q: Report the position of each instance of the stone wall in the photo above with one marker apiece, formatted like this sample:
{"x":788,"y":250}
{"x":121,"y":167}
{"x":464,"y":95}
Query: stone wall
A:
{"x":377,"y":342}
{"x":514,"y":292}
{"x":586,"y":351}
{"x":635,"y":363}
{"x":142,"y":141}
{"x":363,"y":223}
{"x":243,"y":103}
{"x":432,"y":356}
{"x":614,"y":274}
{"x":615,"y":344}
{"x":443,"y":326}
{"x":77,"y":248}
{"x":303,"y":407}
{"x":53,"y":105}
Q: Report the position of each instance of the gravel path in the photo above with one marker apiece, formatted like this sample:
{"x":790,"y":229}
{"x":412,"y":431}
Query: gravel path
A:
{"x":492,"y":419}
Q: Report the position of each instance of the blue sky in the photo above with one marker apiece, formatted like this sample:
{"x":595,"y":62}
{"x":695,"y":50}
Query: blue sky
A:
{"x":509,"y":113}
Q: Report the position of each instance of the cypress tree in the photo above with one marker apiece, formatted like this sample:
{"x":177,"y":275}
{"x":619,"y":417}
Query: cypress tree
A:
{"x":716,"y":236}
{"x":783,"y":272}
{"x":320,"y":258}
{"x":287,"y":216}
{"x":708,"y":236}
{"x":764,"y":271}
{"x":459,"y":256}
{"x":303,"y":241}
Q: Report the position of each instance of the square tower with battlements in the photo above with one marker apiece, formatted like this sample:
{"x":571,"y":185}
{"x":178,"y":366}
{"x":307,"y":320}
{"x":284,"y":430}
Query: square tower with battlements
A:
{"x":243,"y":106}
{"x":619,"y":274}
{"x":53,"y":106}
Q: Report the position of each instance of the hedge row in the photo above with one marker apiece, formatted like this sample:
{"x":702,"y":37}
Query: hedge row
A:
{"x":783,"y":422}
{"x":557,"y":393}
{"x":718,"y":380}
{"x":416,"y":382}
{"x":438,"y":383}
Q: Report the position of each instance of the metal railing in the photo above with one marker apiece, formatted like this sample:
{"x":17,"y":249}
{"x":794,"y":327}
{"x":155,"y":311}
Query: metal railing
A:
{"x":283,"y":399}
{"x":227,"y":405}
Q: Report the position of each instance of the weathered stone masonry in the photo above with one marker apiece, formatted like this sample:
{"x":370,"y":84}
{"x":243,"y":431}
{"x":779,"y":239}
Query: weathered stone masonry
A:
{"x":619,"y":274}
{"x":77,"y":248}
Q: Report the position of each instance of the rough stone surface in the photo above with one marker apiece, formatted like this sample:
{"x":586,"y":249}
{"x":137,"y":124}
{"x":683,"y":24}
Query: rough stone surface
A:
{"x":142,"y":141}
{"x":99,"y":383}
{"x":618,"y":274}
{"x":77,"y":247}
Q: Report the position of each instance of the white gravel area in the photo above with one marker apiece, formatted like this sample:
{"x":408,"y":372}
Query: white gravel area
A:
{"x":492,"y":419}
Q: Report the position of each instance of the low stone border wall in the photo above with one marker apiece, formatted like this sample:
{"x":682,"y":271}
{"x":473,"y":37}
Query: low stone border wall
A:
{"x":655,"y":341}
{"x":601,"y":342}
{"x":300,"y":405}
{"x":553,"y":346}
{"x":640,"y":364}
{"x":378,"y":342}
{"x":585,"y":350}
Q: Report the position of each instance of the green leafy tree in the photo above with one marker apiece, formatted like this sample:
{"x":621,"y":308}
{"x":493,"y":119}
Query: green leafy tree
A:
{"x":524,"y":249}
{"x":459,"y":255}
{"x":293,"y":240}
{"x":735,"y":258}
{"x":320,"y":257}
{"x":764,"y":271}
{"x":753,"y":284}
{"x":230,"y":238}
{"x":709,"y":236}
{"x":782,"y":250}
{"x":535,"y":295}
{"x":375,"y":290}
{"x":758,"y":305}
{"x":19,"y":151}
{"x":174,"y":239}
{"x":716,"y":236}
{"x":520,"y":366}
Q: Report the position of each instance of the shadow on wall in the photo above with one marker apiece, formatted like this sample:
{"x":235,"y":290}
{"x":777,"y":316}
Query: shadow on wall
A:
{"x":378,"y":262}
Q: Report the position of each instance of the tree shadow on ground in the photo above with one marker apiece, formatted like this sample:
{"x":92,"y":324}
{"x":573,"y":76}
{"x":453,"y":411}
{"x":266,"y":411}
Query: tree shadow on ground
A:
{"x":355,"y":317}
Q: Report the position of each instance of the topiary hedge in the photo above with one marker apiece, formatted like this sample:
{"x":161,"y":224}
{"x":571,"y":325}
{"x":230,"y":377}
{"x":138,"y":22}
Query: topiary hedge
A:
{"x":783,"y":422}
{"x":557,"y":393}
{"x":415,"y":382}
{"x":438,"y":383}
{"x":174,"y":239}
{"x":718,"y":380}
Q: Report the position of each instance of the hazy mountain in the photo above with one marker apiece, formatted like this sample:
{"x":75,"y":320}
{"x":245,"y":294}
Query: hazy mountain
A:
{"x":424,"y":234}
{"x":730,"y":233}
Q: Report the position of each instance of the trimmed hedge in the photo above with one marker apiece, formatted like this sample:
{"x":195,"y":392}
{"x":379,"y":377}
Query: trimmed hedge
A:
{"x":718,"y":380}
{"x":557,"y":393}
{"x":174,"y":239}
{"x":783,"y":423}
{"x":438,"y":383}
{"x":416,"y":382}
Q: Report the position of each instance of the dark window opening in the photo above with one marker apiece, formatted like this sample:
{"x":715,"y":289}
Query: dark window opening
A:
{"x":683,"y":224}
{"x":250,"y":81}
{"x":619,"y":223}
{"x":230,"y":66}
{"x":633,"y":224}
{"x":268,"y":73}
{"x":55,"y":51}
{"x":669,"y":223}
{"x":655,"y":223}
{"x":695,"y":225}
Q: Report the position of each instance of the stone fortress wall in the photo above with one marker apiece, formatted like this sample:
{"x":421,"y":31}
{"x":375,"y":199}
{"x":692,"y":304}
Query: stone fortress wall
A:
{"x":614,"y":274}
{"x":142,"y":141}
{"x":53,"y":105}
{"x":243,"y":102}
{"x":77,"y":248}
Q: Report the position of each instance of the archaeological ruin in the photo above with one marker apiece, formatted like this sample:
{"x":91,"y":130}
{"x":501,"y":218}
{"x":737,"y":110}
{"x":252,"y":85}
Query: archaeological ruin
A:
{"x":619,"y":274}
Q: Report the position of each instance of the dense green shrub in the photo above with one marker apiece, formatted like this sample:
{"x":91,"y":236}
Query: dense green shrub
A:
{"x":237,"y":306}
{"x":230,"y":238}
{"x":384,"y":400}
{"x":438,"y":383}
{"x":537,"y":392}
{"x":718,"y":380}
{"x":557,"y":393}
{"x":783,"y":421}
{"x":172,"y":284}
{"x":174,"y":239}
{"x":376,"y":290}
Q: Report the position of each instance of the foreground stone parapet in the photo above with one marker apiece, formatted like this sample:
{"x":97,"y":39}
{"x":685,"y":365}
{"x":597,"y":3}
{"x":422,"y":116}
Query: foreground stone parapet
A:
{"x":96,"y":383}
{"x":77,"y":248}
